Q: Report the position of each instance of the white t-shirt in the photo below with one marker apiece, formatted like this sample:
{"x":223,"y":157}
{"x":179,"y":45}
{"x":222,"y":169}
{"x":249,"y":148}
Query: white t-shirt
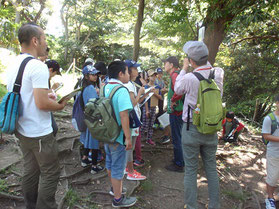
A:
{"x":32,"y":121}
{"x":272,"y":147}
{"x":132,"y":88}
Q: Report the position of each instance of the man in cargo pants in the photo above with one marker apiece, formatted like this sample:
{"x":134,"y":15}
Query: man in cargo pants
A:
{"x":34,"y":130}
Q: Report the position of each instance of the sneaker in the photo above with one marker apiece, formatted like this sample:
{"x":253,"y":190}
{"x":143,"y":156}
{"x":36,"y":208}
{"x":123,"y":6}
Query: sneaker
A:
{"x":126,"y":171}
{"x":150,"y":142}
{"x":139,"y":163}
{"x":85,"y":163}
{"x":124,"y":191}
{"x":135,"y":176}
{"x":175,"y":168}
{"x":97,"y":169}
{"x":124,"y":202}
{"x":270,"y":203}
{"x":165,"y":139}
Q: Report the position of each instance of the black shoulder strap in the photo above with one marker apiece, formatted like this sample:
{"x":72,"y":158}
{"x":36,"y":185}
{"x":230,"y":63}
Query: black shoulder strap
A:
{"x":18,"y":81}
{"x":201,"y":78}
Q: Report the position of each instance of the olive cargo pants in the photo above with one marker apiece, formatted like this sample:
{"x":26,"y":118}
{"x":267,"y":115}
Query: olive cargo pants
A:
{"x":41,"y":171}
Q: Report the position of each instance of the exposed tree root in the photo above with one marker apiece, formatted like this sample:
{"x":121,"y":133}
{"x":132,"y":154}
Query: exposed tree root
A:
{"x":12,"y":197}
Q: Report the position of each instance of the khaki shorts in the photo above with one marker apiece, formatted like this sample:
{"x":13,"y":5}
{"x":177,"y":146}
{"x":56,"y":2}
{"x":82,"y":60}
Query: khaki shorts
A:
{"x":272,"y":170}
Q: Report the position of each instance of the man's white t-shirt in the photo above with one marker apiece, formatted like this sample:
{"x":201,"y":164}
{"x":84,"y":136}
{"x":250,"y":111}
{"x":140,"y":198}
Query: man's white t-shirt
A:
{"x":272,"y":147}
{"x":32,"y":121}
{"x":132,"y":88}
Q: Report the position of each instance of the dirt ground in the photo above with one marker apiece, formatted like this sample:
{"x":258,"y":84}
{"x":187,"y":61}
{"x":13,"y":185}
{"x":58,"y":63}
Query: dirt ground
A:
{"x":241,"y":170}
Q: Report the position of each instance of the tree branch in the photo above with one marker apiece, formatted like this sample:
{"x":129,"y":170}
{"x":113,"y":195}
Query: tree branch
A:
{"x":256,"y":37}
{"x":38,"y":15}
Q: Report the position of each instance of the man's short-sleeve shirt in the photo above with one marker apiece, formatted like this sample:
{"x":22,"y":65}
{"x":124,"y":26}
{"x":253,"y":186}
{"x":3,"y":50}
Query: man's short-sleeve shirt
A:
{"x":120,"y":101}
{"x":272,"y":147}
{"x":32,"y":121}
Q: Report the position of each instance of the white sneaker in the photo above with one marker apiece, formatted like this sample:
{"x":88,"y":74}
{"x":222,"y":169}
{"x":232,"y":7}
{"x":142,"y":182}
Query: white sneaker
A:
{"x":270,"y":203}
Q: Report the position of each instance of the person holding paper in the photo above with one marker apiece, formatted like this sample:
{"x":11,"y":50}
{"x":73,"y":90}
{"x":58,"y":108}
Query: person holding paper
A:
{"x":34,"y":131}
{"x":149,"y":109}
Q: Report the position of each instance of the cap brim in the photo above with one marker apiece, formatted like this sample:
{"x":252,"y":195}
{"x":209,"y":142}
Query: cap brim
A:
{"x":136,"y":65}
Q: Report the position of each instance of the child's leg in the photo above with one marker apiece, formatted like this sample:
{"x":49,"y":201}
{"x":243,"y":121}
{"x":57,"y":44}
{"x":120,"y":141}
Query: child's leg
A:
{"x":144,"y":126}
{"x":272,"y":170}
{"x":94,"y":156}
{"x":138,"y":147}
{"x":151,"y":122}
{"x":235,"y":136}
{"x":129,"y":156}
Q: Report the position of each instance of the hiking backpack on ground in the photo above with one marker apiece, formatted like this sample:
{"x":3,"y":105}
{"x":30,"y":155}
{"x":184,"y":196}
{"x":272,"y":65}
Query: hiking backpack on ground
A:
{"x":209,"y":112}
{"x":10,"y":103}
{"x":78,"y":114}
{"x":274,"y":126}
{"x":100,"y":118}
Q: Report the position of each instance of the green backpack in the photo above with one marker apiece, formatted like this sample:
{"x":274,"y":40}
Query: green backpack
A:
{"x":100,"y":118}
{"x":274,"y":126}
{"x":209,"y":112}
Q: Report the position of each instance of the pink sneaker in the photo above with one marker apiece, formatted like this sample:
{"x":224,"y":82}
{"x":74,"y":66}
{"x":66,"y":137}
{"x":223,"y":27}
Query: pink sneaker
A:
{"x":126,"y":171}
{"x":150,"y":142}
{"x":135,"y":176}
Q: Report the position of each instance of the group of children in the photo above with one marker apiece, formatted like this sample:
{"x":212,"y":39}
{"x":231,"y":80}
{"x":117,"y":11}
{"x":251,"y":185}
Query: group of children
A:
{"x":137,"y":96}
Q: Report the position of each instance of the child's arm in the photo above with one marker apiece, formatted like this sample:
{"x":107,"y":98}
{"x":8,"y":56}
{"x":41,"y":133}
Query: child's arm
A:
{"x":124,"y":116}
{"x":270,"y":137}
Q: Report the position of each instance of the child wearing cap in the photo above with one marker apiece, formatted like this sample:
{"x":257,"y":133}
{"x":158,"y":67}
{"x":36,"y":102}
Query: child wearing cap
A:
{"x":90,"y":144}
{"x":232,"y":128}
{"x":149,"y":109}
{"x":136,"y":98}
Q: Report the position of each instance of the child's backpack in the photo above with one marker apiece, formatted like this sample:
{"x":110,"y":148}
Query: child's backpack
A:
{"x":100,"y":118}
{"x":78,"y":114}
{"x":274,"y":126}
{"x":209,"y":112}
{"x":10,"y":103}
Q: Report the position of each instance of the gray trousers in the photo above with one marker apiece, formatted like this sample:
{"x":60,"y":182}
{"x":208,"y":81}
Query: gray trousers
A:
{"x":193,"y":145}
{"x":41,"y":171}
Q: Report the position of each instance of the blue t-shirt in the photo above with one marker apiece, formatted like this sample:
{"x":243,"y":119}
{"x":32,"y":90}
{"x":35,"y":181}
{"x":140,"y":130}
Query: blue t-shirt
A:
{"x":156,"y":87}
{"x":120,"y":101}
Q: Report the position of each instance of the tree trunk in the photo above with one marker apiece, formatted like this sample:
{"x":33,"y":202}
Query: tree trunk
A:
{"x":213,"y":37}
{"x":65,"y":24}
{"x":137,"y":30}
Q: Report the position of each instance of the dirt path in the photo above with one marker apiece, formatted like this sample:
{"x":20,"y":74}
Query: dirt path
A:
{"x":241,"y":170}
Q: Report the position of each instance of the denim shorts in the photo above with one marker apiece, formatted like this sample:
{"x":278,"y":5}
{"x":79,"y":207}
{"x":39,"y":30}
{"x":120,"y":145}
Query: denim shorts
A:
{"x":116,"y":159}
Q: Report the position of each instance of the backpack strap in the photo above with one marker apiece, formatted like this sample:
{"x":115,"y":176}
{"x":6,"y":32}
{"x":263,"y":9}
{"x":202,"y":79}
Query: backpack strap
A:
{"x":18,"y":81}
{"x":188,"y":117}
{"x":201,"y":78}
{"x":274,"y":123}
{"x":114,"y":90}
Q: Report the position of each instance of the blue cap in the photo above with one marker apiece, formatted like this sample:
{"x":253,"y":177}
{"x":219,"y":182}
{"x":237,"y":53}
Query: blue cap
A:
{"x":159,"y":70}
{"x":132,"y":63}
{"x":89,"y":69}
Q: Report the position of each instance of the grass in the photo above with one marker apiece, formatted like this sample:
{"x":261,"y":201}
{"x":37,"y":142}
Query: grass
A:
{"x":146,"y":186}
{"x":72,"y":198}
{"x":236,"y":195}
{"x":3,"y":186}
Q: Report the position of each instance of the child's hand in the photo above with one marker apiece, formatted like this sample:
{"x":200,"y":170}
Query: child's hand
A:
{"x":141,"y":91}
{"x":147,"y":114}
{"x":128,"y":143}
